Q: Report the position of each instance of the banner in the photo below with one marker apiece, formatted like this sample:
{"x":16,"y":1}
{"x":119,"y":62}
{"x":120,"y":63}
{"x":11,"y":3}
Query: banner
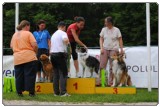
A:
{"x":136,"y":60}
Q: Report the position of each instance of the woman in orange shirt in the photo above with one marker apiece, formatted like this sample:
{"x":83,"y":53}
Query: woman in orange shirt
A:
{"x":24,"y":48}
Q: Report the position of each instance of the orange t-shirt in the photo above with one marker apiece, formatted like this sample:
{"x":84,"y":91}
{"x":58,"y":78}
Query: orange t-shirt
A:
{"x":22,"y":48}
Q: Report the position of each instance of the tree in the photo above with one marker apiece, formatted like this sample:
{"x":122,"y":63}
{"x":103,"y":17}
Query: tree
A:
{"x":130,"y":18}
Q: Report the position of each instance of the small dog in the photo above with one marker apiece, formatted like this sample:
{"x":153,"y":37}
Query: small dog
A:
{"x":120,"y":72}
{"x":47,"y":67}
{"x":88,"y":62}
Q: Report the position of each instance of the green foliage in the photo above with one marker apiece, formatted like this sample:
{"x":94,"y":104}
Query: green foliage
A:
{"x":130,"y":18}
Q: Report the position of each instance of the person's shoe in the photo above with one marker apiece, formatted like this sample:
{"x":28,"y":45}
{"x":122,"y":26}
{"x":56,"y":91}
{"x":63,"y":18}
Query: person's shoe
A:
{"x":20,"y":94}
{"x":32,"y":94}
{"x":77,"y":76}
{"x":39,"y":80}
{"x":69,"y":75}
{"x":66,"y":94}
{"x":56,"y":95}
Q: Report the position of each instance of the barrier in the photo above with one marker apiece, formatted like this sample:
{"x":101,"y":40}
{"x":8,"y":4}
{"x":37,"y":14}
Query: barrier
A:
{"x":135,"y":61}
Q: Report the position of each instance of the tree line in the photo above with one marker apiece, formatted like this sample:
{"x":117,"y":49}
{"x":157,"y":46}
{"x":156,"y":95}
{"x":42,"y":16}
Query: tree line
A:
{"x":130,"y":18}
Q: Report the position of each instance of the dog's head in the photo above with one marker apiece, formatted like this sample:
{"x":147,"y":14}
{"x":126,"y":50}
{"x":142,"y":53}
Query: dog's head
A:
{"x":81,"y":50}
{"x":119,"y":57}
{"x":44,"y":57}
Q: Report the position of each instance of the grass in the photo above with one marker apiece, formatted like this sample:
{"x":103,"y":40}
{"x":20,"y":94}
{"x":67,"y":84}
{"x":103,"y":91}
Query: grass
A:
{"x":142,"y":95}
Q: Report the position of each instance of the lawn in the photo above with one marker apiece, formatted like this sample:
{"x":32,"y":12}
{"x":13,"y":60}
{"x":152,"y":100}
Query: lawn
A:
{"x":142,"y":95}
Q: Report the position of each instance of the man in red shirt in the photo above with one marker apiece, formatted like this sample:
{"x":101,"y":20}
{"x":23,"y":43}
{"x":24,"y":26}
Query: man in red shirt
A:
{"x":73,"y":33}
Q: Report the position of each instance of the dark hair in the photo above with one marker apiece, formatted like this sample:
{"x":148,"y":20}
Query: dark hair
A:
{"x":109,"y":19}
{"x":40,"y":22}
{"x":22,"y":24}
{"x":79,"y":19}
{"x":61,"y":24}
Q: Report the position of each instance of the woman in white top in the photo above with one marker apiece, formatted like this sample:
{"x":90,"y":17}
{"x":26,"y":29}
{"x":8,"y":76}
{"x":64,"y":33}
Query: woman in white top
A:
{"x":110,"y":42}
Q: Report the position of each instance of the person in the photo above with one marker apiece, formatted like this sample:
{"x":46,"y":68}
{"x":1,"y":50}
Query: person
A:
{"x":59,"y":42}
{"x":24,"y":48}
{"x":73,"y":33}
{"x":110,"y":41}
{"x":42,"y":37}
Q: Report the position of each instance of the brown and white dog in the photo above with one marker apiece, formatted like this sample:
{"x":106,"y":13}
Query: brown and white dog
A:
{"x":120,"y":72}
{"x":47,"y":67}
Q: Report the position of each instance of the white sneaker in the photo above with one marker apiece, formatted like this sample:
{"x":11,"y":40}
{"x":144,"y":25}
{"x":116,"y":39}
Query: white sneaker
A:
{"x":42,"y":79}
{"x":69,"y":75}
{"x":77,"y":75}
{"x":66,"y":94}
{"x":38,"y":80}
{"x":56,"y":95}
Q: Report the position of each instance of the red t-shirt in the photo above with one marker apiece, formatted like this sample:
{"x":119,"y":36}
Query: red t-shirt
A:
{"x":69,"y":33}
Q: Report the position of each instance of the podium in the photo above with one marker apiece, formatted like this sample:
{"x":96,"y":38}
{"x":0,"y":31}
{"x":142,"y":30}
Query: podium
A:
{"x":84,"y":86}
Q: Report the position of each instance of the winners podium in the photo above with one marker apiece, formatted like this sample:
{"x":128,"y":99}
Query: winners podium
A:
{"x":84,"y":86}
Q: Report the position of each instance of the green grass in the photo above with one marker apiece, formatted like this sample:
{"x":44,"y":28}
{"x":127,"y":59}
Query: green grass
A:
{"x":142,"y":95}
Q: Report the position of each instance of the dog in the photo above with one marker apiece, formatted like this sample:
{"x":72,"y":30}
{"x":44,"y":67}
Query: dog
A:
{"x":89,"y":63}
{"x":120,"y":72}
{"x":47,"y":67}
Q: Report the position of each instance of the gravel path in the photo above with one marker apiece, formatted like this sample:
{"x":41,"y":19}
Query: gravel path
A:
{"x":23,"y":102}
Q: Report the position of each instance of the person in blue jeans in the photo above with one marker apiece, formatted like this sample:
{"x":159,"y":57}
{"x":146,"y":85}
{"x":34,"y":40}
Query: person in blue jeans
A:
{"x":42,"y":37}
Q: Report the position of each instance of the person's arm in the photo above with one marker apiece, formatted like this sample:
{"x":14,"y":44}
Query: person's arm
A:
{"x":66,"y":41}
{"x":77,"y":38}
{"x":11,"y":44}
{"x":49,"y":39}
{"x":121,"y":44}
{"x":34,"y":46}
{"x":101,"y":40}
{"x":49,"y":44}
{"x":33,"y":43}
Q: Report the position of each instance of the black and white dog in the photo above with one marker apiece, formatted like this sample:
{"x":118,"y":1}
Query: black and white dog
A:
{"x":89,"y":63}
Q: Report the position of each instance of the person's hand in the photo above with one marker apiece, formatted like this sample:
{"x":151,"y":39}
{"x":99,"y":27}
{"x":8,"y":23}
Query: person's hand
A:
{"x":121,"y":51}
{"x":85,"y":47}
{"x":102,"y":51}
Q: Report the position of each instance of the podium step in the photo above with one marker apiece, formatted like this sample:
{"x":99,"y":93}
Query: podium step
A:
{"x":115,"y":90}
{"x":83,"y":86}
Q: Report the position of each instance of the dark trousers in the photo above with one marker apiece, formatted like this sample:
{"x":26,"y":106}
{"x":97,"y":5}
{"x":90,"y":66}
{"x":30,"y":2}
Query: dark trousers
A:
{"x":25,"y":75}
{"x":59,"y":61}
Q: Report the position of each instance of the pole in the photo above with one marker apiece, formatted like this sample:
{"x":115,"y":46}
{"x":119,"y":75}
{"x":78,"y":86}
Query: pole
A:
{"x":148,"y":46}
{"x":16,"y":15}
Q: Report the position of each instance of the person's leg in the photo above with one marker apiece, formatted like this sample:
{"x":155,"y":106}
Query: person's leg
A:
{"x":104,"y":61}
{"x":39,"y":66}
{"x":63,"y":75}
{"x":54,"y":60}
{"x":30,"y":76}
{"x":39,"y":71}
{"x":19,"y":75}
{"x":75,"y":57}
{"x":76,"y":64}
{"x":111,"y":53}
{"x":44,"y":76}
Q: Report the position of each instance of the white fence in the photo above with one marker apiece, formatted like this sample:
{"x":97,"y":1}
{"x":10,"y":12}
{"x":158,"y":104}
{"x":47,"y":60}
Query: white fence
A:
{"x":136,"y":63}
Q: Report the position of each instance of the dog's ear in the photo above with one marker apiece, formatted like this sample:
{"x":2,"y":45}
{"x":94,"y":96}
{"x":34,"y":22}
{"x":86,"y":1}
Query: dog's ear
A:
{"x":83,"y":50}
{"x":114,"y":57}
